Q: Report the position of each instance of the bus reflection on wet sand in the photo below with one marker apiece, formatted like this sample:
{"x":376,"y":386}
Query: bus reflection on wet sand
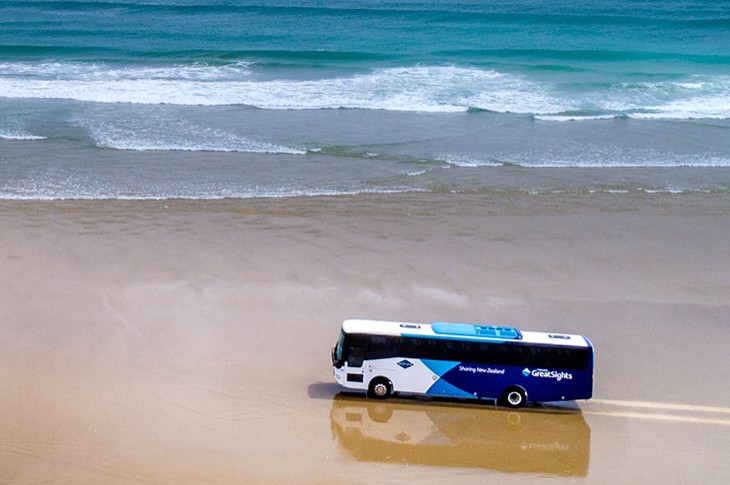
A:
{"x":544,"y":441}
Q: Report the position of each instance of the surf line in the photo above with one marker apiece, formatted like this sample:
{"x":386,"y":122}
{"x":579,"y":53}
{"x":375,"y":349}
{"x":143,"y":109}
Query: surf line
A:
{"x":663,"y":406}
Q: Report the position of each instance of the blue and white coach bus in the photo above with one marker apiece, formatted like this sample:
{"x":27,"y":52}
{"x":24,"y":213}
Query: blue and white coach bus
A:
{"x":462,"y":361}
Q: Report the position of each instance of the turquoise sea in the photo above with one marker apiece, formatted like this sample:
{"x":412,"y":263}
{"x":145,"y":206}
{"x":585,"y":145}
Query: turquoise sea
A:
{"x":203,"y":99}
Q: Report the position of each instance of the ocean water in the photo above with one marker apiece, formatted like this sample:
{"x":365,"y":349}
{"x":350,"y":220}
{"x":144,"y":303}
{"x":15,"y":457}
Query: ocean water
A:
{"x":142,"y":99}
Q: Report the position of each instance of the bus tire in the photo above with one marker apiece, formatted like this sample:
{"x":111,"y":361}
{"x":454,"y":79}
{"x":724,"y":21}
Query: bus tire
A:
{"x":380,"y":388}
{"x":513,"y":397}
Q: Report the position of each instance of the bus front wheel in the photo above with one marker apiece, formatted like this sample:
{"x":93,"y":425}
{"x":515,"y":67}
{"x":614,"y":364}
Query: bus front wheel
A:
{"x":380,"y":388}
{"x":513,"y":397}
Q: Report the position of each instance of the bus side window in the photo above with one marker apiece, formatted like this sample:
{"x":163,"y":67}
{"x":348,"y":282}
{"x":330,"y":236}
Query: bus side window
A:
{"x":355,"y":355}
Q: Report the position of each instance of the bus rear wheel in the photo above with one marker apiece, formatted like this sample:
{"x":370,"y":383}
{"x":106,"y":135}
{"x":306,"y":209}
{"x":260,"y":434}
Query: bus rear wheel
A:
{"x":513,"y":397}
{"x":380,"y":388}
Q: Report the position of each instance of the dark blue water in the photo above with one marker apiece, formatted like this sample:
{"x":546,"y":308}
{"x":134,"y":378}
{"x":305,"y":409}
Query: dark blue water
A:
{"x":211,"y":99}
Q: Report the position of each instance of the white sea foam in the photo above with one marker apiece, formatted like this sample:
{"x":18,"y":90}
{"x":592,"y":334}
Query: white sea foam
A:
{"x":469,"y":162}
{"x":144,"y":135}
{"x":413,"y":173}
{"x":418,"y":88}
{"x":637,"y":162}
{"x":414,"y":88}
{"x":706,"y":97}
{"x":20,"y":136}
{"x":218,"y":143}
{"x":99,"y":72}
{"x":101,"y":193}
{"x":716,"y":106}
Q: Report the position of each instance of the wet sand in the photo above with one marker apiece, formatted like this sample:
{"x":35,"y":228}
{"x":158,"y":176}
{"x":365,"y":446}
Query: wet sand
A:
{"x":183,"y":341}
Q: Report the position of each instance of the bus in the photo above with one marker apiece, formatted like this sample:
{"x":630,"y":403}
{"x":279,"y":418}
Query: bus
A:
{"x":459,"y":360}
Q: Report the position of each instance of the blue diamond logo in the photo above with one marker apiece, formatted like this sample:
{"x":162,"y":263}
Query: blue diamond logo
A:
{"x":405,"y":364}
{"x":525,"y":372}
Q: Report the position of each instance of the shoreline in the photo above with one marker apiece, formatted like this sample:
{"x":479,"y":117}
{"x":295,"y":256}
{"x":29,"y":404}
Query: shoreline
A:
{"x":494,"y":203}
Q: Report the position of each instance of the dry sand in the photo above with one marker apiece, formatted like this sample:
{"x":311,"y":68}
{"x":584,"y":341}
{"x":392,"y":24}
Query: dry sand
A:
{"x":182,"y":341}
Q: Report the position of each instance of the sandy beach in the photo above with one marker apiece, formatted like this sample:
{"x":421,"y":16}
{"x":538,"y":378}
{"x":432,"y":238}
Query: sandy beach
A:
{"x":188,"y":341}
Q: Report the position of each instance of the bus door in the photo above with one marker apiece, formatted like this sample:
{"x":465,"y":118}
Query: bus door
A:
{"x":355,"y":353}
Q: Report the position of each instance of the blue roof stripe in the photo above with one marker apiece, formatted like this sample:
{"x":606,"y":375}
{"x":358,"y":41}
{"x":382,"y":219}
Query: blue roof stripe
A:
{"x":455,"y":337}
{"x":479,"y":331}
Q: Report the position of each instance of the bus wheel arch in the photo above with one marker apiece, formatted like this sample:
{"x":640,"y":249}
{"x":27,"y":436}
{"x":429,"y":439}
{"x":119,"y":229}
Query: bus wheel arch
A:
{"x":380,"y":387}
{"x":513,"y":397}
